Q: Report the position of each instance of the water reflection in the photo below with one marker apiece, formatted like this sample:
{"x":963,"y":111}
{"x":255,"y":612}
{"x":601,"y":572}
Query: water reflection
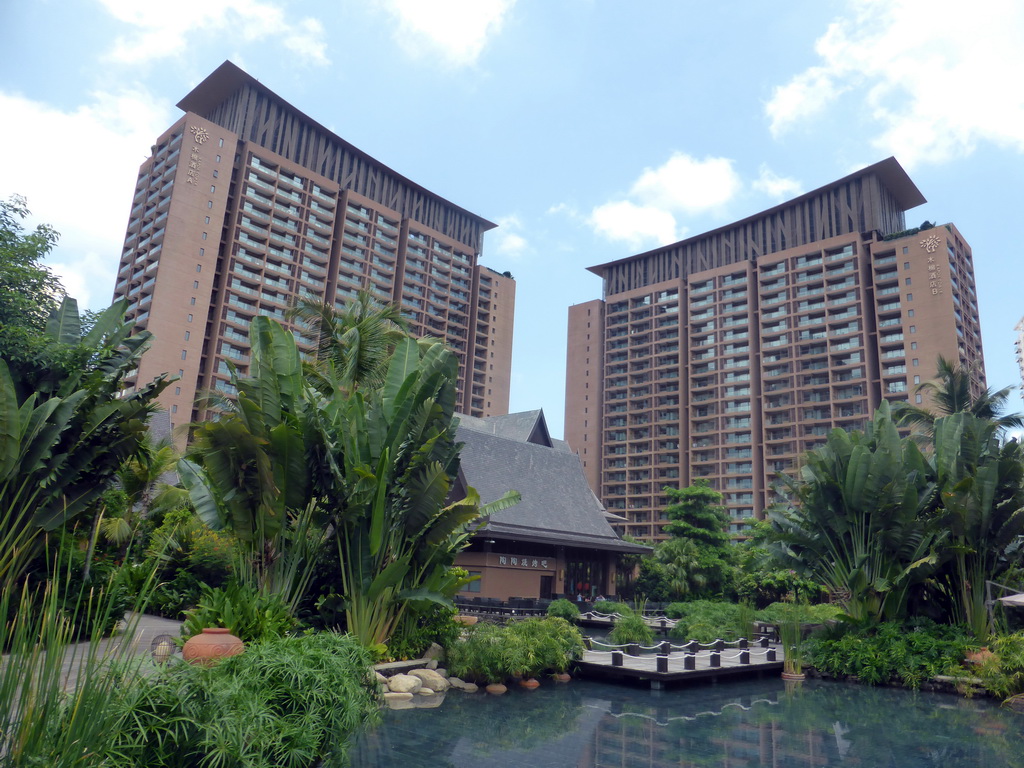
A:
{"x":754,"y":723}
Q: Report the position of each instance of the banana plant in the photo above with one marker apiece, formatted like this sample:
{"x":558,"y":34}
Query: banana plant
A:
{"x":981,"y":504}
{"x":855,"y":519}
{"x":62,"y":444}
{"x":397,"y":459}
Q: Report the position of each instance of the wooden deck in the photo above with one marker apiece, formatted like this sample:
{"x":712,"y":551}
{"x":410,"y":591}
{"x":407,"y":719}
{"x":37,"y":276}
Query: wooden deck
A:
{"x":680,"y":666}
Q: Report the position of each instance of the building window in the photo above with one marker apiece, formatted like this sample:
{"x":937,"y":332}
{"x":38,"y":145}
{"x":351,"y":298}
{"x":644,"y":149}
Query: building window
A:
{"x":910,"y":313}
{"x":918,"y":399}
{"x":220,"y":144}
{"x":202,"y":251}
{"x":187,"y":334}
{"x":910,"y":297}
{"x":913,"y":345}
{"x":181,"y":372}
{"x":209,"y":203}
{"x":905,"y":250}
{"x":906,"y":280}
{"x":204,"y":235}
{"x":199,"y":267}
{"x":218,"y":158}
{"x":208,"y":221}
{"x":174,"y":409}
{"x":212,"y":189}
{"x":190,"y":318}
{"x":917,"y":379}
{"x":177,"y":390}
{"x":906,"y":265}
{"x":193,"y":301}
{"x":195,"y":283}
{"x":216,"y":173}
{"x":914,"y":362}
{"x":184,"y":354}
{"x":913,"y":329}
{"x":473,"y":586}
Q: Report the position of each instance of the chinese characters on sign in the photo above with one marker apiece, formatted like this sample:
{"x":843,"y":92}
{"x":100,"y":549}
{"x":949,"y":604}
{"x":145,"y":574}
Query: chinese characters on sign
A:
{"x":194,"y":161}
{"x":931,"y":245}
{"x":522,"y":562}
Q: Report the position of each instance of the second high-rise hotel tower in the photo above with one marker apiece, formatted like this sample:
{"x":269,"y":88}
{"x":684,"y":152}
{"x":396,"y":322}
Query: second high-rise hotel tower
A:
{"x":728,"y":355}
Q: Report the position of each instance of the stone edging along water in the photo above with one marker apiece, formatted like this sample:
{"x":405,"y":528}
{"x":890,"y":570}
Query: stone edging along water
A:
{"x":418,"y":683}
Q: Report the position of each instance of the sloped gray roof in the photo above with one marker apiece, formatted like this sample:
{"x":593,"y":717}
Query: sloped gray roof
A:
{"x":557,"y":504}
{"x":525,"y":426}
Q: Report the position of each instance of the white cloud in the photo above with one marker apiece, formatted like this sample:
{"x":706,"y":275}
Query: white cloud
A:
{"x":78,"y":169}
{"x":683,"y":185}
{"x":164,"y":27}
{"x":687,"y":185}
{"x":775,"y":186}
{"x":936,"y":79}
{"x":508,"y":240}
{"x":636,"y":225}
{"x":457,"y":31}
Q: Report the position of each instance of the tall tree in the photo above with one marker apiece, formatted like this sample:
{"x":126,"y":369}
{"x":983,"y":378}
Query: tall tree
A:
{"x":29,"y":291}
{"x":950,"y":392}
{"x":697,"y":560}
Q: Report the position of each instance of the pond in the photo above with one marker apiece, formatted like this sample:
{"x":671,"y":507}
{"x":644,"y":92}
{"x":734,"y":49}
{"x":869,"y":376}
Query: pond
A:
{"x":745,"y":723}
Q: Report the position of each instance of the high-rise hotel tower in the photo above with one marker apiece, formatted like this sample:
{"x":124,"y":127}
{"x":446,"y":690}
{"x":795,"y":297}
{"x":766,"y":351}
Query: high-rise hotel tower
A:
{"x":728,"y":355}
{"x":246,"y":205}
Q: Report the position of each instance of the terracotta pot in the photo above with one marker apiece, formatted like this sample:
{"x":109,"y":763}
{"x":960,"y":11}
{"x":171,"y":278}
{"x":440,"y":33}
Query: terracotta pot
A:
{"x":977,"y":657}
{"x":213,"y":644}
{"x":793,"y":676}
{"x":496,"y":688}
{"x":562,"y":677}
{"x":467,"y":620}
{"x":530,"y":683}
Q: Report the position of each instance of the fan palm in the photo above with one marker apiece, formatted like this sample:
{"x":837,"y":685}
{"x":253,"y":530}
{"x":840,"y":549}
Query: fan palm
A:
{"x":353,"y":345}
{"x":950,"y":392}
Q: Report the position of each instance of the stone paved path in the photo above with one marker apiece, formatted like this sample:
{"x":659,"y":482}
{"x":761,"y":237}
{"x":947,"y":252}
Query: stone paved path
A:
{"x":142,"y":631}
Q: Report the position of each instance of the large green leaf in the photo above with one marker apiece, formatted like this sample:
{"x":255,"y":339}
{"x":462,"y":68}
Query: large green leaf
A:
{"x":64,"y":325}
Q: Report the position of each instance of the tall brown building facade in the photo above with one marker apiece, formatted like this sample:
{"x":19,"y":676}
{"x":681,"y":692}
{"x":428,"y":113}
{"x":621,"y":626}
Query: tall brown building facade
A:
{"x":728,"y":355}
{"x":247,"y":205}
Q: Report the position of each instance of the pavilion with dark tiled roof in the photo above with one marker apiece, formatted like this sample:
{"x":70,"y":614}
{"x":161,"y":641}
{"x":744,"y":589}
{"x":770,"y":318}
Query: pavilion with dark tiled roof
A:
{"x":557,"y":540}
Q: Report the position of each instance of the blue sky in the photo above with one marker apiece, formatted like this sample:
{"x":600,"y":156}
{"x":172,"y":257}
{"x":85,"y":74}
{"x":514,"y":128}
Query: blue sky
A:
{"x":588,"y":130}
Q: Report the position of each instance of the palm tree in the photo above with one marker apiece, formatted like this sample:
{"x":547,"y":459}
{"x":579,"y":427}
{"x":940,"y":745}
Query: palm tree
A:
{"x":353,"y":345}
{"x":950,"y":393}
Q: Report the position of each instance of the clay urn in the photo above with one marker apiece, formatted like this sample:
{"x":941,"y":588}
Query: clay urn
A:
{"x":467,"y":621}
{"x":562,"y":677}
{"x":530,"y":683}
{"x":213,"y":644}
{"x":496,"y":688}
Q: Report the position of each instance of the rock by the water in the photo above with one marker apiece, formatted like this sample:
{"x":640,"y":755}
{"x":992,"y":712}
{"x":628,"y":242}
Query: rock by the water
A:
{"x":442,"y":672}
{"x":424,"y":691}
{"x":470,"y":687}
{"x":432,"y":664}
{"x":430,"y":679}
{"x":404,"y":683}
{"x":435,"y":651}
{"x":381,"y":678}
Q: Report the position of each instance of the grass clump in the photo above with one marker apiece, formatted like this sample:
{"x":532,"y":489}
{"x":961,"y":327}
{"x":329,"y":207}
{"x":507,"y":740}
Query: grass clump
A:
{"x":487,"y":653}
{"x":564,"y":609}
{"x":631,"y":629}
{"x":285,"y":702}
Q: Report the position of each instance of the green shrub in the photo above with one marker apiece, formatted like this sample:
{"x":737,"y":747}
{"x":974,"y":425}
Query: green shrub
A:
{"x":631,"y":629}
{"x":564,"y":609}
{"x":249,"y":614}
{"x":704,"y":620}
{"x":487,"y":653}
{"x":890,"y":652}
{"x":1003,"y":673}
{"x":610,"y":607}
{"x":813,"y":614}
{"x":434,"y":625}
{"x":284,"y":702}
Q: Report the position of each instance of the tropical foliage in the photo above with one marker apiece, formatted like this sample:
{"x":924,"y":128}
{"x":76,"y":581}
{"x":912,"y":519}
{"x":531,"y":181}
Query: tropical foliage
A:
{"x":64,"y":437}
{"x":364,"y":471}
